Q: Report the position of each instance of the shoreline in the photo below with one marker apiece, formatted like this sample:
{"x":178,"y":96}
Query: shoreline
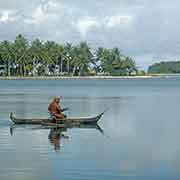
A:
{"x":82,"y":77}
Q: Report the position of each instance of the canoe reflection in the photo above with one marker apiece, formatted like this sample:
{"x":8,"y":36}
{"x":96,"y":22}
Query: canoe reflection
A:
{"x":56,"y":134}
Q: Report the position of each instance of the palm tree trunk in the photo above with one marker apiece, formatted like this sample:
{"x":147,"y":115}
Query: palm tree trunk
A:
{"x":24,"y":70}
{"x":74,"y":70}
{"x":8,"y":69}
{"x":21,"y":70}
{"x":80,"y":69}
{"x":68,"y":67}
{"x":61,"y":65}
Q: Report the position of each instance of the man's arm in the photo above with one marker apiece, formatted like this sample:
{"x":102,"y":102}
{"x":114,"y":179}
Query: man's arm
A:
{"x":59,"y":109}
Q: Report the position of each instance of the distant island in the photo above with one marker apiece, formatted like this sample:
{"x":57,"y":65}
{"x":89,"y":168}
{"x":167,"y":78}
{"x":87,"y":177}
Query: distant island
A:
{"x":170,"y":67}
{"x":21,"y":58}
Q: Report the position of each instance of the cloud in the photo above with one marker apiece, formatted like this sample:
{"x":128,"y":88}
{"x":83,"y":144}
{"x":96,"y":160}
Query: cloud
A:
{"x":117,"y":20}
{"x":7,"y":16}
{"x":86,"y":24}
{"x":43,"y":12}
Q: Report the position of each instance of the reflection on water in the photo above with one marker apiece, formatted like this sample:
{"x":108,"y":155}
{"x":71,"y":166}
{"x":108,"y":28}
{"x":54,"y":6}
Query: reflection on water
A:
{"x":140,"y":138}
{"x":56,"y":134}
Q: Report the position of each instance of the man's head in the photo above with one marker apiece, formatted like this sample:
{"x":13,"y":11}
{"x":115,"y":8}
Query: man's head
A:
{"x":57,"y":99}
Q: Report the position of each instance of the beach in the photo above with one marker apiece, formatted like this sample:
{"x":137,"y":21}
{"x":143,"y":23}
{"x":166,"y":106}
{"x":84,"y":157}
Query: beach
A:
{"x":80,"y":77}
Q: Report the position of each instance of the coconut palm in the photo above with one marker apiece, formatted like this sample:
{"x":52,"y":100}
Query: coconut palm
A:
{"x":20,"y":52}
{"x":83,"y":58}
{"x":68,"y":56}
{"x":104,"y":60}
{"x":39,"y":56}
{"x":130,"y":65}
{"x":6,"y":56}
{"x":24,"y":57}
{"x":55,"y":53}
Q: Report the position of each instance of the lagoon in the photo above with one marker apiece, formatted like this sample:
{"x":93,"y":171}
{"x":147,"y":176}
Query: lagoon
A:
{"x":141,"y":130}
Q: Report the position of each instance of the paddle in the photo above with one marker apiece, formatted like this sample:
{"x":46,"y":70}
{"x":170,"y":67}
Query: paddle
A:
{"x":65,"y":109}
{"x":107,"y":109}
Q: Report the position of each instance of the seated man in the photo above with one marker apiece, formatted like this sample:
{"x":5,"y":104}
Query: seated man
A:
{"x":55,"y":109}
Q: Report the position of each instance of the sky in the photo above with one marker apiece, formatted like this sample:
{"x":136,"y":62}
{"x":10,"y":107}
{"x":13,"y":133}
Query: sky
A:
{"x":147,"y":30}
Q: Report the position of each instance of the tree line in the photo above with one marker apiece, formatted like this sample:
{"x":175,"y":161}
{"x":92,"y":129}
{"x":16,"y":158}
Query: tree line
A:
{"x":165,"y":68}
{"x":38,"y":58}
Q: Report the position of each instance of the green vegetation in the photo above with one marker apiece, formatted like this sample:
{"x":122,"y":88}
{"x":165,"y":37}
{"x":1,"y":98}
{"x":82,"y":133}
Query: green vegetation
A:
{"x":38,"y":58}
{"x":165,"y":68}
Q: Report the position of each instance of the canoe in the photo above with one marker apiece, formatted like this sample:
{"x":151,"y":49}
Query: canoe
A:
{"x":46,"y":121}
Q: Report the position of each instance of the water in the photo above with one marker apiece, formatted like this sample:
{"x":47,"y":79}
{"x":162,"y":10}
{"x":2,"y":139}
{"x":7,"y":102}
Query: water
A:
{"x":140,"y":140}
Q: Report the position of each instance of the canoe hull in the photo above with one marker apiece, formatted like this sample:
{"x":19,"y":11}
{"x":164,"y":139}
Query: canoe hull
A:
{"x":80,"y":120}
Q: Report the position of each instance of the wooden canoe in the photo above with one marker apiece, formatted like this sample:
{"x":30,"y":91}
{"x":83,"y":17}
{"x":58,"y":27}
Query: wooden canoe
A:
{"x":46,"y":121}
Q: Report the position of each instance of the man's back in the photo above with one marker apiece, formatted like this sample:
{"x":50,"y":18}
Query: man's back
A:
{"x":54,"y":108}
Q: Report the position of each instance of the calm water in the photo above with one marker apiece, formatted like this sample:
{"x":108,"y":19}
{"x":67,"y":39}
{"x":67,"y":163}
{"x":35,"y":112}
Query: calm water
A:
{"x":141,"y":130}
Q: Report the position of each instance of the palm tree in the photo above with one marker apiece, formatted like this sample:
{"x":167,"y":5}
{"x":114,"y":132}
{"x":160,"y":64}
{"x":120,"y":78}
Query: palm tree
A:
{"x":130,"y":65}
{"x":68,"y":56}
{"x":74,"y":56}
{"x":104,"y":59}
{"x":6,"y":55}
{"x":20,"y":52}
{"x":75,"y":60}
{"x":40,"y":56}
{"x":55,"y":53}
{"x":117,"y":62}
{"x":98,"y":56}
{"x":84,"y":58}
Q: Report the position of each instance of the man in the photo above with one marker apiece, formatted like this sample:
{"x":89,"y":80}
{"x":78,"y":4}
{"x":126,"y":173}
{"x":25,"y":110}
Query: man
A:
{"x":55,"y":109}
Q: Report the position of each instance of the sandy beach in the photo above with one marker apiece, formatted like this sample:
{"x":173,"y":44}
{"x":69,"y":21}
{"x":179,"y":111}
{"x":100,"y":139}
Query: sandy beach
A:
{"x":80,"y":77}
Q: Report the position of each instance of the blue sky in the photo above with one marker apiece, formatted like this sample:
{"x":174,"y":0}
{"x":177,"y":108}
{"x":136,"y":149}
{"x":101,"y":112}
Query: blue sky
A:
{"x":147,"y":30}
